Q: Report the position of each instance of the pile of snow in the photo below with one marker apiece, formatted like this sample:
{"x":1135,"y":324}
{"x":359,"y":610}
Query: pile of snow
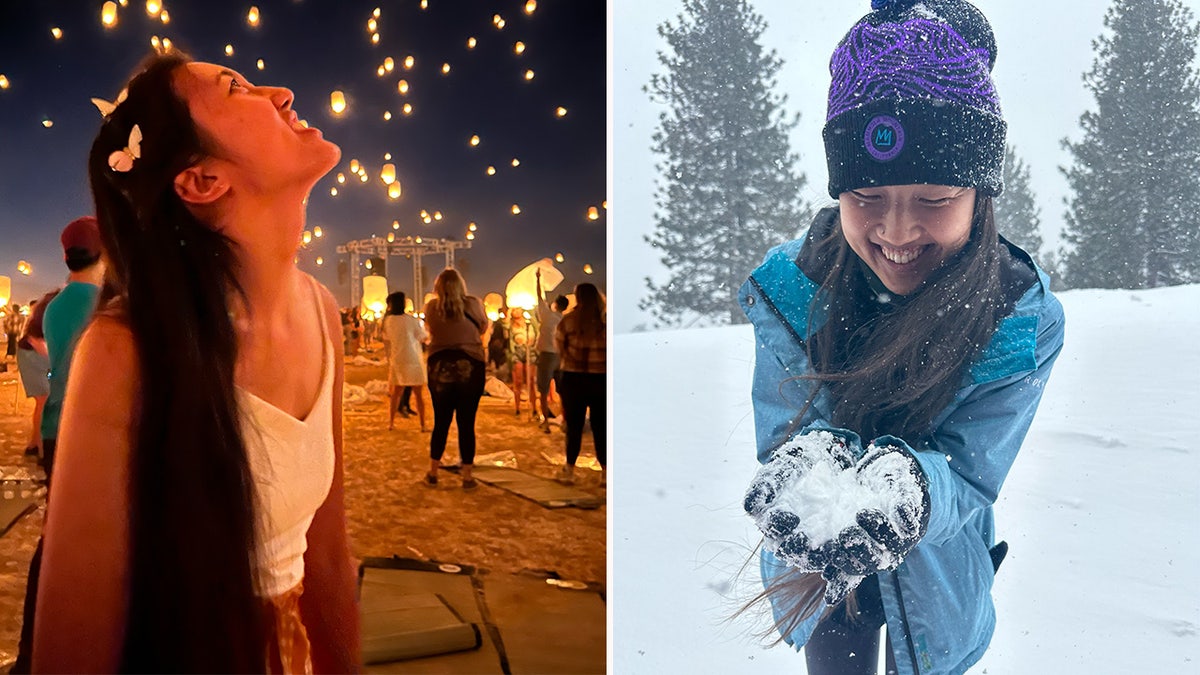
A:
{"x":1099,"y":509}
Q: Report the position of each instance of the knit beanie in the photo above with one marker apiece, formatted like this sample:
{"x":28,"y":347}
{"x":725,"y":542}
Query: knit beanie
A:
{"x":912,"y":100}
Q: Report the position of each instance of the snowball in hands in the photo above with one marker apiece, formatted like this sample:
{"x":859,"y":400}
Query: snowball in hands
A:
{"x":824,"y":511}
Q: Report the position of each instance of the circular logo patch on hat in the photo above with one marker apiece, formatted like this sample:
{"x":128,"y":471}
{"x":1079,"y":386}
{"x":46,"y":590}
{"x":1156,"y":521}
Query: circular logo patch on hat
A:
{"x":884,"y":138}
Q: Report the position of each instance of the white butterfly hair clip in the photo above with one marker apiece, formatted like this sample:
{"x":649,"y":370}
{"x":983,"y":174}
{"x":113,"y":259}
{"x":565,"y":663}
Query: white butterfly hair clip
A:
{"x":106,"y":108}
{"x":122,"y":160}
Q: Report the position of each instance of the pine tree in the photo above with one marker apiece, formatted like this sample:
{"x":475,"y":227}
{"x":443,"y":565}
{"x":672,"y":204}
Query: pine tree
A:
{"x":728,"y":187}
{"x":1134,"y":217}
{"x":1018,"y":217}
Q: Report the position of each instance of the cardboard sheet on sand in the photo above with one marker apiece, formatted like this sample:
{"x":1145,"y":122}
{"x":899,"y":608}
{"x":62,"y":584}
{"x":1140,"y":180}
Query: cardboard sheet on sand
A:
{"x":528,"y":624}
{"x":11,"y":510}
{"x":550,"y":494}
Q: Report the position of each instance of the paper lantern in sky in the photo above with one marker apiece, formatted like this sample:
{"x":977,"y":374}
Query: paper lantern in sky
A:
{"x":261,"y":64}
{"x":381,"y":71}
{"x":389,"y":64}
{"x":153,"y":7}
{"x":5,"y":290}
{"x":560,"y":111}
{"x":587,"y":269}
{"x":320,"y":261}
{"x":228,"y":50}
{"x":407,"y":108}
{"x":252,"y":17}
{"x":445,"y":68}
{"x":402,"y":86}
{"x":387,"y":156}
{"x":375,"y":292}
{"x":491,"y":171}
{"x":394,"y":191}
{"x":108,"y":14}
{"x":516,"y":209}
{"x":337,"y":102}
{"x":333,"y":192}
{"x":376,"y":12}
{"x":24,"y":268}
{"x":530,"y":6}
{"x":372,"y":25}
{"x":474,"y":141}
{"x":470,"y":43}
{"x":492,"y":302}
{"x":387,"y":115}
{"x":521,"y":290}
{"x":388,"y":174}
{"x":471,"y":227}
{"x":470,"y":236}
{"x":317,"y":232}
{"x":391,"y":237}
{"x":3,"y":82}
{"x":593,"y":213}
{"x":516,"y":162}
{"x":528,"y":75}
{"x":519,"y":47}
{"x":395,"y":224}
{"x":409,"y":62}
{"x":558,"y":257}
{"x":164,"y":16}
{"x":354,"y":167}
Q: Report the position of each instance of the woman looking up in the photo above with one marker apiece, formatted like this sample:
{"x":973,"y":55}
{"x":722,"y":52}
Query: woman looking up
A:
{"x":903,"y":322}
{"x":456,"y":323}
{"x":196,"y":521}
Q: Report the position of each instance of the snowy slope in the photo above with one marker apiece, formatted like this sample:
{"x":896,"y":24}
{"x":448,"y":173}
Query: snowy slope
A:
{"x":1100,"y":509}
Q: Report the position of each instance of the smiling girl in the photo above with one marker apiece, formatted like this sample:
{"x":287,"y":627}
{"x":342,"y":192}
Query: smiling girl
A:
{"x":902,"y":322}
{"x":196,"y":520}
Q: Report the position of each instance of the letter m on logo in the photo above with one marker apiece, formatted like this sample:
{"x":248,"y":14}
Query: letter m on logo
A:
{"x":884,"y":137}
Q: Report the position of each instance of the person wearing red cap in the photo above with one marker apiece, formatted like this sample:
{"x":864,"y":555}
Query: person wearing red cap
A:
{"x":65,"y":318}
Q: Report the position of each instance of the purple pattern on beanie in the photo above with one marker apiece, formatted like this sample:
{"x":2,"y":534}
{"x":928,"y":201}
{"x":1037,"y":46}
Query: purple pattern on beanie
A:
{"x":918,"y":58}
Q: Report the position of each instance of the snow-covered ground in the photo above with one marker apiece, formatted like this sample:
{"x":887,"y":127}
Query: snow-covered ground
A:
{"x":1100,"y":510}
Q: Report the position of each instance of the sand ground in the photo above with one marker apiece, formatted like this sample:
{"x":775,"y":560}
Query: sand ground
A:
{"x":389,"y":510}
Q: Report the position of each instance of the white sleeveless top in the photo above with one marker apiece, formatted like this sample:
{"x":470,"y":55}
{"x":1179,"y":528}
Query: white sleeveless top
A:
{"x":291,"y":462}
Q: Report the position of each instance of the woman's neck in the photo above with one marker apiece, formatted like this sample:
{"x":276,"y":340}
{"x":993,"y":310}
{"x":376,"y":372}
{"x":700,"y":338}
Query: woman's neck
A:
{"x":267,"y":236}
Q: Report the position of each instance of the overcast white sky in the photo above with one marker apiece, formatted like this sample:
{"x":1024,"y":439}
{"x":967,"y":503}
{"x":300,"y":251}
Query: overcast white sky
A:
{"x":1043,"y":50}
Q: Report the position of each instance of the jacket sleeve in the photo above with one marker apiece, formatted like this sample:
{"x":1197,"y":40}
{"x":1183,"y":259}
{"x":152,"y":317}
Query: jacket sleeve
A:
{"x":972,"y":450}
{"x":779,"y":396}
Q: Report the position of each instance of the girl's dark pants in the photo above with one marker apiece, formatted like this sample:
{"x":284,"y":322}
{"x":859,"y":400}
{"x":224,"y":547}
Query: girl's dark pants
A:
{"x":580,"y":392}
{"x":455,"y":385}
{"x":838,"y":636}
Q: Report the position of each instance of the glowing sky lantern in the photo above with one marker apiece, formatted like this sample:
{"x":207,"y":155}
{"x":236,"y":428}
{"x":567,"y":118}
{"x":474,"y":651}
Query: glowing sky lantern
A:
{"x":389,"y":64}
{"x":166,"y":44}
{"x":604,"y":204}
{"x":530,"y":6}
{"x":306,"y":237}
{"x":492,"y":302}
{"x":375,"y":292}
{"x":394,"y":190}
{"x":417,"y":240}
{"x":375,"y":38}
{"x":474,"y":141}
{"x":155,"y":42}
{"x":320,"y":261}
{"x":56,"y":32}
{"x":5,"y":290}
{"x":529,"y":75}
{"x":516,"y":162}
{"x":402,"y":86}
{"x":498,"y":21}
{"x":354,"y":166}
{"x":395,"y":224}
{"x":387,"y":156}
{"x":24,"y":268}
{"x":362,"y":177}
{"x":519,"y":47}
{"x":261,"y":64}
{"x":3,"y":82}
{"x":471,"y":43}
{"x":471,"y":227}
{"x":153,"y":7}
{"x":341,"y":177}
{"x":376,"y":13}
{"x":391,"y":237}
{"x":423,"y":214}
{"x":587,"y":269}
{"x":516,"y":209}
{"x":123,"y":3}
{"x":521,"y":290}
{"x":388,"y":174}
{"x":332,"y":192}
{"x":470,"y":236}
{"x":424,"y":4}
{"x":108,"y":14}
{"x":47,"y":122}
{"x":228,"y":50}
{"x":317,"y":232}
{"x":337,"y":102}
{"x":445,"y":68}
{"x":252,"y":17}
{"x":381,"y":71}
{"x":558,"y":257}
{"x":407,"y":108}
{"x":426,"y":219}
{"x":437,"y":215}
{"x":372,"y":25}
{"x":409,"y":62}
{"x":560,"y":111}
{"x":165,"y":16}
{"x":593,"y":213}
{"x":387,"y":115}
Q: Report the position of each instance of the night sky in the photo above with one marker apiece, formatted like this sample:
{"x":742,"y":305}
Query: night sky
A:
{"x":315,"y":47}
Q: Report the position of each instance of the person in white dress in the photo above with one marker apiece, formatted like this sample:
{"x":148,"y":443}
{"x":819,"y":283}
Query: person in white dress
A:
{"x":404,"y":336}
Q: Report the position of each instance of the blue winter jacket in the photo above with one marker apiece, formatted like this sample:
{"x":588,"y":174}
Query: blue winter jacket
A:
{"x":938,"y":603}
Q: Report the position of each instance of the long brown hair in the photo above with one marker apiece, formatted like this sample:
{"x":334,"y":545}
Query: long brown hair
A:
{"x":192,"y":593}
{"x":892,"y":371}
{"x":587,"y":316}
{"x":451,"y":291}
